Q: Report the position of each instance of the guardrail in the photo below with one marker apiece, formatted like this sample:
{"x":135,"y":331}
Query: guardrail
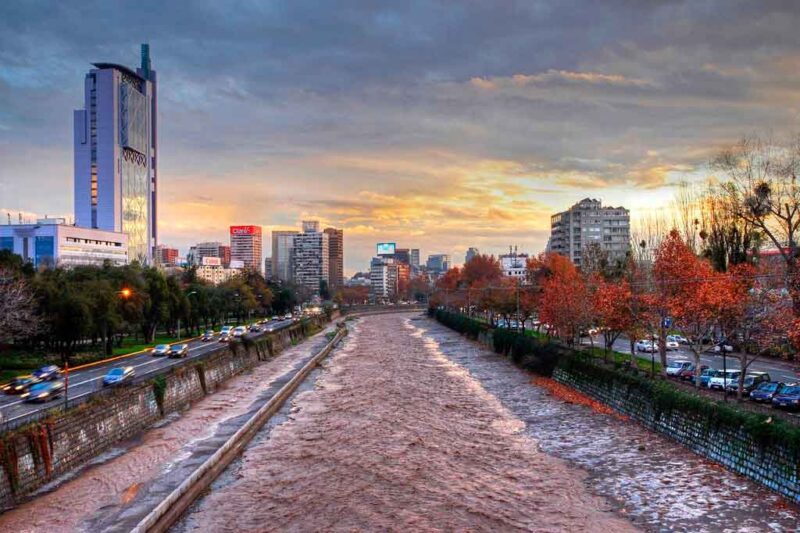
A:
{"x":174,"y":505}
{"x":7,"y":424}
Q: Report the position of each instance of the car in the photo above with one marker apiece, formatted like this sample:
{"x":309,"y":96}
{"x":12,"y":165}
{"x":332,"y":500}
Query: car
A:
{"x":226,"y":330}
{"x":717,"y":348}
{"x":646,"y":346}
{"x":118,"y":375}
{"x":766,"y":391}
{"x":208,"y":336}
{"x":672,"y":345}
{"x":705,"y":376}
{"x":224,"y":338}
{"x":20,"y":384}
{"x":160,"y":349}
{"x":288,"y":316}
{"x":788,"y":398}
{"x":179,"y":350}
{"x":676,"y":366}
{"x":238,"y":331}
{"x":721,"y":380}
{"x":751,"y":381}
{"x":44,"y":391}
{"x":276,"y":318}
{"x":680,"y":339}
{"x":47,"y":373}
{"x":255,"y":328}
{"x":688,"y":373}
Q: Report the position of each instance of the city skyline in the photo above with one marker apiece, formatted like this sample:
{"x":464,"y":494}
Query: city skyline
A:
{"x":470,"y":130}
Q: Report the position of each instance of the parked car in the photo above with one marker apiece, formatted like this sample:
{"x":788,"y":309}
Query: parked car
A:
{"x":255,"y":328}
{"x":688,"y":373}
{"x":208,"y":336}
{"x":276,"y":318}
{"x":788,"y":398}
{"x":20,"y":384}
{"x":226,"y":330}
{"x":646,"y":346}
{"x":721,"y":380}
{"x":224,"y":338}
{"x":238,"y":331}
{"x":161,"y":349}
{"x":44,"y":391}
{"x":118,"y":375}
{"x":287,"y":316}
{"x":179,"y":350}
{"x":676,"y":366}
{"x":672,"y":345}
{"x":47,"y":373}
{"x":766,"y":391}
{"x":751,"y":381}
{"x":705,"y":376}
{"x":680,"y":339}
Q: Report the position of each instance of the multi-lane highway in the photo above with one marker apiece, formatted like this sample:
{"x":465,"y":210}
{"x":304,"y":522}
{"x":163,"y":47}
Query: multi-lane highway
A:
{"x":87,"y":381}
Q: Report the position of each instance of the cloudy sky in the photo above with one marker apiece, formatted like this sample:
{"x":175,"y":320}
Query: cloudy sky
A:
{"x":439,"y":125}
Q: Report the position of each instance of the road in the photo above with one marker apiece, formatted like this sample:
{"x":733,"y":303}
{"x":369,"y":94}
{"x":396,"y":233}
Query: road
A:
{"x":777,"y":370}
{"x":87,"y":381}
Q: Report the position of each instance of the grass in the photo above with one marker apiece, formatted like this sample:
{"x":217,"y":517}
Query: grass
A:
{"x":620,"y":358}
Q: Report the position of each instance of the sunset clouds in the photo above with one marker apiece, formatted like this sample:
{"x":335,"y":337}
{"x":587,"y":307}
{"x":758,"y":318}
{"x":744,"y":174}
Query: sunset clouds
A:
{"x":438,"y":125}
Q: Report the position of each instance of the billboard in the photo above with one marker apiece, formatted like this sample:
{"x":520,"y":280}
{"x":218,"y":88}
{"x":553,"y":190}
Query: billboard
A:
{"x":235,"y":263}
{"x":386,"y":248}
{"x":245,"y":230}
{"x":212,"y":261}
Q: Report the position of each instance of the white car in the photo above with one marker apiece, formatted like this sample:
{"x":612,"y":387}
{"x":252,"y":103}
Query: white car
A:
{"x":238,"y":331}
{"x":721,"y":380}
{"x":680,"y":339}
{"x":646,"y":346}
{"x":225,"y":331}
{"x":676,"y":366}
{"x":672,"y":345}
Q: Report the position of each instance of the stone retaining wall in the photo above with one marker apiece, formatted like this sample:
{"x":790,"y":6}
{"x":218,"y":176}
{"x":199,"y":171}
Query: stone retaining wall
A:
{"x":32,"y":456}
{"x":771,"y":465}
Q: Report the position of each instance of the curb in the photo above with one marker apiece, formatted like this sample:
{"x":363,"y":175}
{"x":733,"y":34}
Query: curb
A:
{"x":175,"y":504}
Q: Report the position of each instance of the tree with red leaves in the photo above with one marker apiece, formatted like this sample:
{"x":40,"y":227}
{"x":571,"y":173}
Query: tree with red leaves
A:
{"x":565,"y":301}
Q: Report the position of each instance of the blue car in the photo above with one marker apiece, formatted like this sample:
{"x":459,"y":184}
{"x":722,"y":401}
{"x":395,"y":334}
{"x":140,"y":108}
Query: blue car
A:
{"x":47,"y":373}
{"x":788,"y":398}
{"x":705,"y":376}
{"x":118,"y":375}
{"x":765,"y":392}
{"x":44,"y":391}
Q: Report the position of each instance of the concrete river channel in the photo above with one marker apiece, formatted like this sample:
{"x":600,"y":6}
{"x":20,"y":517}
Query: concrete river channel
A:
{"x":408,"y":426}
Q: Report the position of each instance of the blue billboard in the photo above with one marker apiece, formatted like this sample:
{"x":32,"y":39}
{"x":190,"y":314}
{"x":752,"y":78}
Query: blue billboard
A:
{"x":386,"y":248}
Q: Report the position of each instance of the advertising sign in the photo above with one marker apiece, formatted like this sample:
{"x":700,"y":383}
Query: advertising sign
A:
{"x":237,"y":264}
{"x":245,"y":230}
{"x":212,"y":261}
{"x":386,"y":248}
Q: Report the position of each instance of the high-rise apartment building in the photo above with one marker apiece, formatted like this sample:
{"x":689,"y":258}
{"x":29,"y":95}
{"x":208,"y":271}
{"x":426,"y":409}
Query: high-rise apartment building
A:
{"x":116,"y":154}
{"x":384,"y":277}
{"x":213,"y":249}
{"x":166,"y":256}
{"x":335,"y":258}
{"x":246,"y":247}
{"x":589,"y":222}
{"x":282,"y":246}
{"x":472,"y":252}
{"x":438,"y":263}
{"x":268,"y":268}
{"x":414,"y":258}
{"x":310,"y":256}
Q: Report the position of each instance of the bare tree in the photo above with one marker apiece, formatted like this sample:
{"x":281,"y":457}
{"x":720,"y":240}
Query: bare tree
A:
{"x":18,"y":317}
{"x":763,"y":190}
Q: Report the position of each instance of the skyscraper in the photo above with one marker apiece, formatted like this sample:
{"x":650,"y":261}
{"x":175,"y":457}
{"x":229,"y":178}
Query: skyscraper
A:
{"x":472,"y":252}
{"x":335,"y":258}
{"x":213,"y":249}
{"x":282,"y":246}
{"x":246,"y":247}
{"x":115,"y":154}
{"x":310,"y":260}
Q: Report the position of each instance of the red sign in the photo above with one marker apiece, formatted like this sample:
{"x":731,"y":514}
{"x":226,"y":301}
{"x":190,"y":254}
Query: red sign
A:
{"x":245,"y":230}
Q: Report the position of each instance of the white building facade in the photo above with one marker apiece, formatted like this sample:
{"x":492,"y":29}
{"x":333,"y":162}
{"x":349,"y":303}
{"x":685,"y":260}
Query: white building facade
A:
{"x":310,"y":256}
{"x":588,"y":222}
{"x":51,"y":242}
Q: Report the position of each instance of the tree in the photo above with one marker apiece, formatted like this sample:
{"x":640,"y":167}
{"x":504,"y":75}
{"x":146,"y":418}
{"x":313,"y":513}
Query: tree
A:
{"x":613,"y":304}
{"x":762,"y":190}
{"x":481,"y":268}
{"x":18,"y":314}
{"x":565,"y":301}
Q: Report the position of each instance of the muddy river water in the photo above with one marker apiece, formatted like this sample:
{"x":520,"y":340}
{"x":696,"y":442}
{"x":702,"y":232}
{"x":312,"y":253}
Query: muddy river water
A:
{"x":409,"y":426}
